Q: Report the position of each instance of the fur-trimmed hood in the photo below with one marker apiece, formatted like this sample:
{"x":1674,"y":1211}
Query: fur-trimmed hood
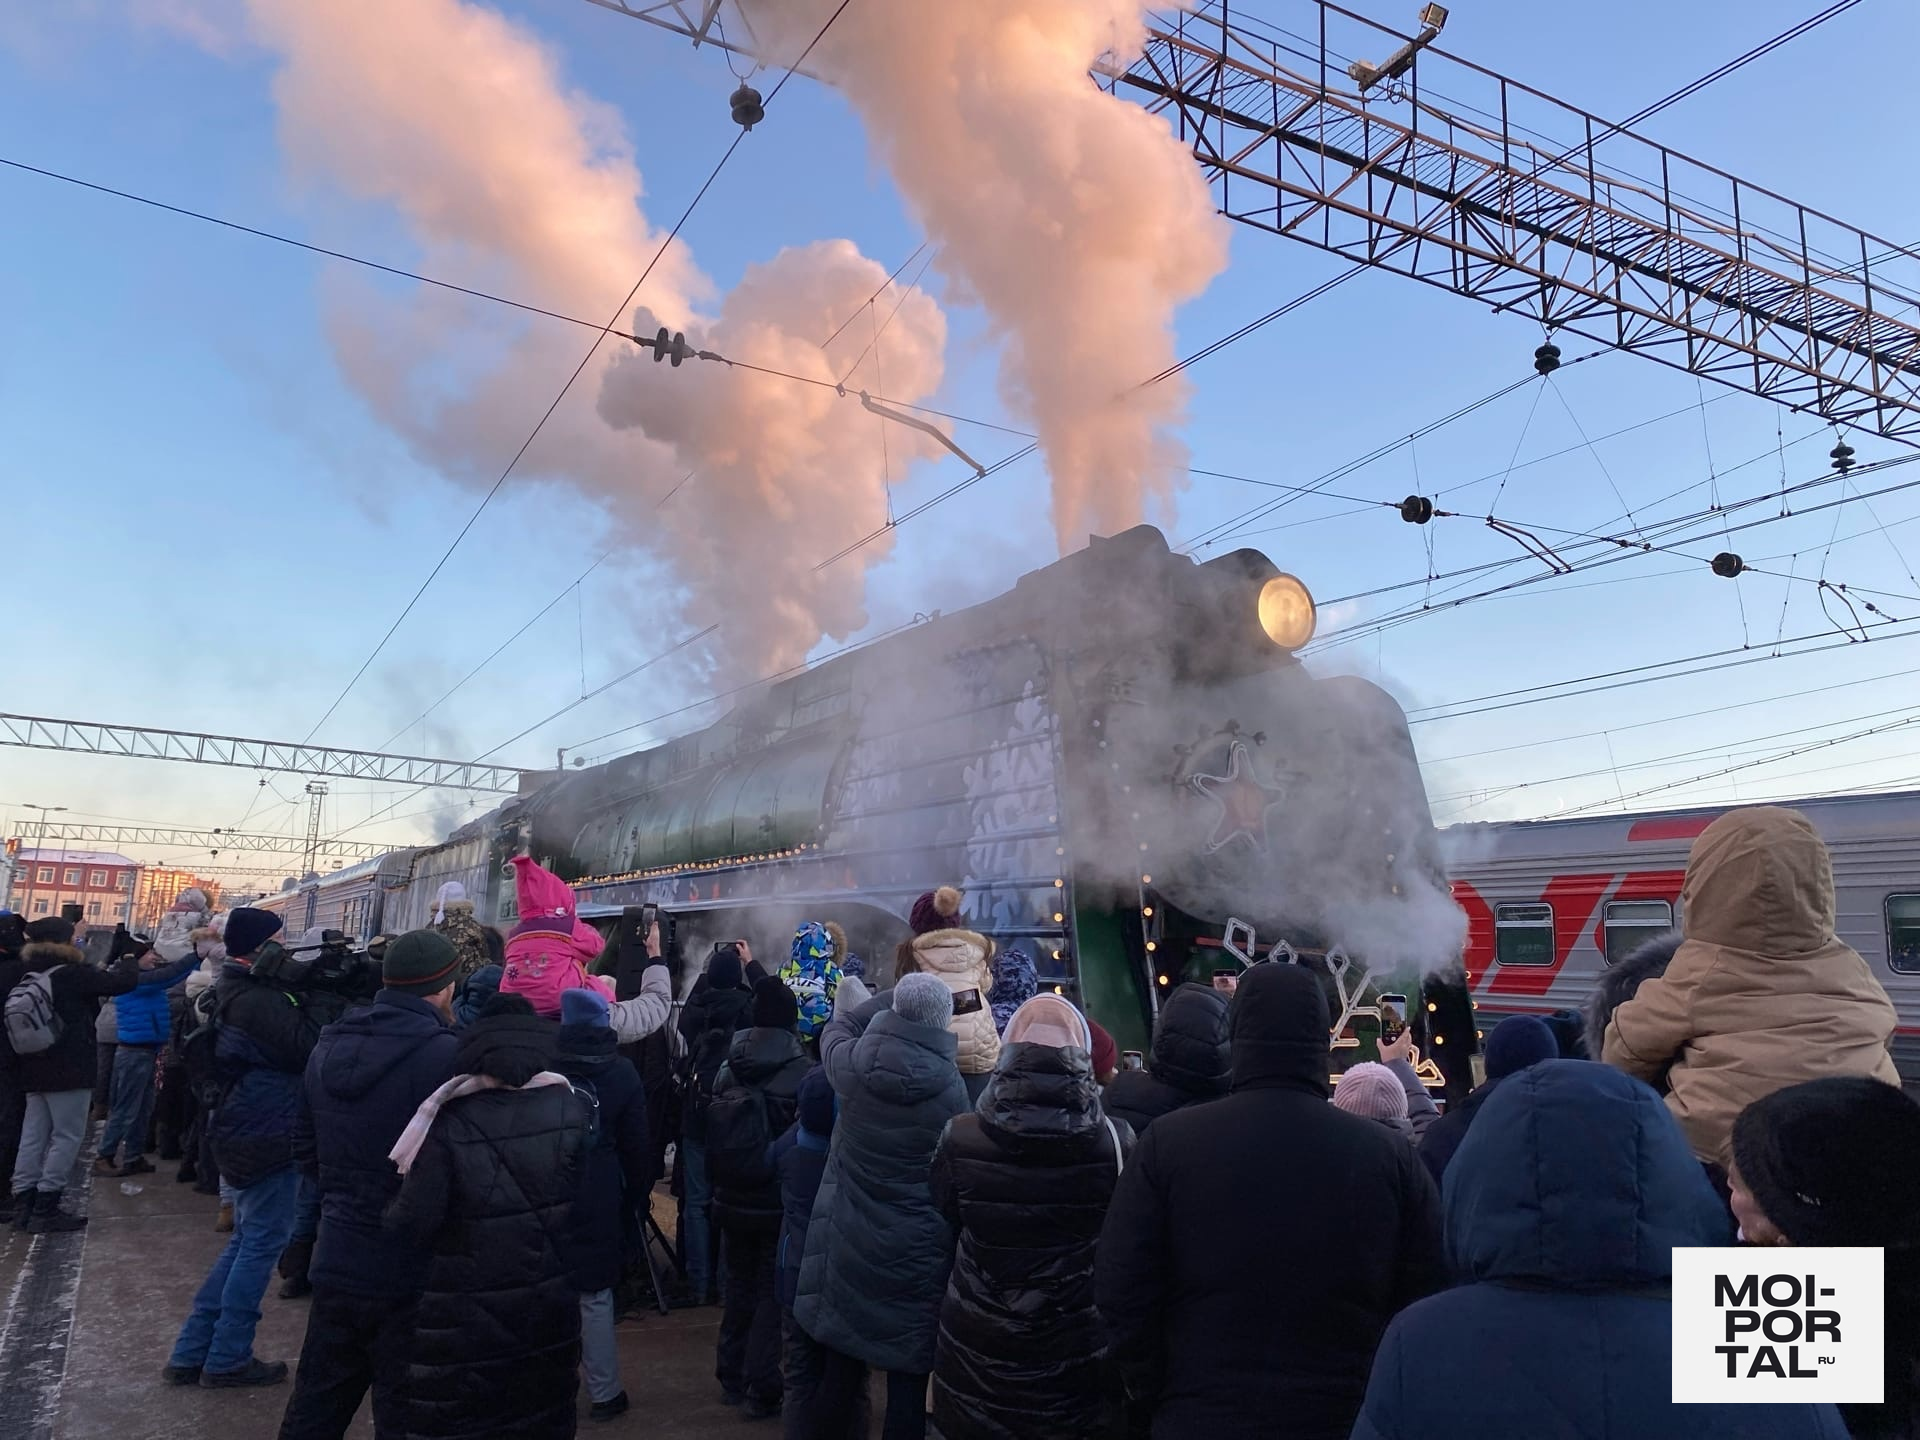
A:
{"x":45,"y":954}
{"x":458,"y":907}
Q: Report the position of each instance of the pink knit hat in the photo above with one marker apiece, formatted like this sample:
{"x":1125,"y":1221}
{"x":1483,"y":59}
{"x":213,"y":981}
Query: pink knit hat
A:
{"x":1371,"y":1090}
{"x":540,"y":893}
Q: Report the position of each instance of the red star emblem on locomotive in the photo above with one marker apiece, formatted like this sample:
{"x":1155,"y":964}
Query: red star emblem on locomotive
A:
{"x":1243,"y":799}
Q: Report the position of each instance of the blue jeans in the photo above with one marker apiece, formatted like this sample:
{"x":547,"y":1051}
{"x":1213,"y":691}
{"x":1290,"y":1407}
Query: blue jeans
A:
{"x":130,"y":1109}
{"x":697,"y":1235}
{"x":218,"y":1335}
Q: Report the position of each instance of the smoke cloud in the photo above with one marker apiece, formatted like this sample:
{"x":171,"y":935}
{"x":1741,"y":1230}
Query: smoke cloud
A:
{"x":507,"y":180}
{"x":1076,"y":219}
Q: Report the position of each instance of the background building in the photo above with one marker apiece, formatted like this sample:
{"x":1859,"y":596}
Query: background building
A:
{"x":101,"y":882}
{"x":158,"y":887}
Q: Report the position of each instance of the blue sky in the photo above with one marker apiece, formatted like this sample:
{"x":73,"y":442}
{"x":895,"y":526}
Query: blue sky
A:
{"x":211,"y":527}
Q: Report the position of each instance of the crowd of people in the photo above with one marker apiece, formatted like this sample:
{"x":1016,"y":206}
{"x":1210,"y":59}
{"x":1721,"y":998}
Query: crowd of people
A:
{"x":942,"y":1208}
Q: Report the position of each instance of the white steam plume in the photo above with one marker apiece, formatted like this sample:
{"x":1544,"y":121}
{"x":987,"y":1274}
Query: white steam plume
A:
{"x":1076,"y":219}
{"x":460,"y":121}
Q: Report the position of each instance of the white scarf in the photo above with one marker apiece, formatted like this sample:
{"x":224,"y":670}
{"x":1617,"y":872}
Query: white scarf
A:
{"x":415,"y":1135}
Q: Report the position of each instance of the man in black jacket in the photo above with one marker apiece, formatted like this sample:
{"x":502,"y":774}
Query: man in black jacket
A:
{"x":366,"y":1078}
{"x":13,"y":1099}
{"x":58,"y":1081}
{"x":720,"y":1003}
{"x":1258,"y":1245}
{"x":1189,"y":1061}
{"x":755,"y":1098}
{"x":614,"y":1182}
{"x":264,"y":1033}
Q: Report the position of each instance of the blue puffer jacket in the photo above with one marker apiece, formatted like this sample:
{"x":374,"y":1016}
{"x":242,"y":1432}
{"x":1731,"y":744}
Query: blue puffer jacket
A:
{"x":142,"y":1014}
{"x":1563,"y":1206}
{"x":367,"y":1076}
{"x":878,"y":1251}
{"x":261,"y":1044}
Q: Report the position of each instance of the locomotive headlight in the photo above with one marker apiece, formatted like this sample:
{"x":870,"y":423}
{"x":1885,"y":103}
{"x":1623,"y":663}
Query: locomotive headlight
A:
{"x":1286,"y":612}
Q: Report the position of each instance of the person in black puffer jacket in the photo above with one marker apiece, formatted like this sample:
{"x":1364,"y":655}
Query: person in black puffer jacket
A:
{"x":1025,"y":1182}
{"x":493,"y":1161}
{"x":615,"y":1180}
{"x":366,"y":1079}
{"x":58,"y":1081}
{"x":13,"y":1099}
{"x":720,"y":1003}
{"x":755,"y":1099}
{"x":1189,"y":1061}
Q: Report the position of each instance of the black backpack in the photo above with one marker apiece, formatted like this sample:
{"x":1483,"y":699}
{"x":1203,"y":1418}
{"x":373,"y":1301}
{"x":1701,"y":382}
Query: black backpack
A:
{"x":739,"y":1129}
{"x":697,"y":1075}
{"x":197,"y":1049}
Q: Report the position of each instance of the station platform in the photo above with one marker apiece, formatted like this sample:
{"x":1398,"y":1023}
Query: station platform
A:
{"x":89,"y":1319}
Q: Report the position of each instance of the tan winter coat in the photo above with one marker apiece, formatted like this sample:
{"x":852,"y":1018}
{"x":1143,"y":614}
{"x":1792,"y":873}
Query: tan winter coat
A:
{"x":962,"y":959}
{"x":1761,"y":994}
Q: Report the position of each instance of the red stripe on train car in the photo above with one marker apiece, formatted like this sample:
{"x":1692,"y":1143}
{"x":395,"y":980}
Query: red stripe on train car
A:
{"x":1574,"y":899}
{"x":1479,"y":956}
{"x":1683,"y":827}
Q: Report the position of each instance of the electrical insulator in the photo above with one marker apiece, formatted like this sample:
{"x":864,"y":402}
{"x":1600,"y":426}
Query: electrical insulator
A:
{"x":1842,"y":457}
{"x":1727,"y":565}
{"x":1547,"y":358}
{"x":747,"y":109}
{"x":1416,"y":509}
{"x":671,"y":345}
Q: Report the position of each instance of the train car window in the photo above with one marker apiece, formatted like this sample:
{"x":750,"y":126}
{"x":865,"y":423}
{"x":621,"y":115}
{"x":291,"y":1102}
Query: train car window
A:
{"x":1629,"y":924}
{"x":1523,"y":934}
{"x":1903,"y":933}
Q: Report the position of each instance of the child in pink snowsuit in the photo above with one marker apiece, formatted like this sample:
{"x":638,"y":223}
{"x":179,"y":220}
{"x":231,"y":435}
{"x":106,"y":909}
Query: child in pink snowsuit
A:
{"x":550,"y":949}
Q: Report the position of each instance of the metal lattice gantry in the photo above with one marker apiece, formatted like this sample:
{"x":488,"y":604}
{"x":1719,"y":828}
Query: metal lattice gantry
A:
{"x":36,"y":732}
{"x":213,"y":841}
{"x":1469,"y":181}
{"x":1472,"y":182}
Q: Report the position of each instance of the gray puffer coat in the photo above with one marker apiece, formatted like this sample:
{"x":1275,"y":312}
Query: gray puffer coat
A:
{"x":878,"y":1251}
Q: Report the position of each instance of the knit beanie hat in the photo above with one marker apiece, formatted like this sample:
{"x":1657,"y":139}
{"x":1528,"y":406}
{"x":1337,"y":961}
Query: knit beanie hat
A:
{"x":724,"y":971}
{"x":774,"y":1007}
{"x":935,"y":910}
{"x":584,"y":1007}
{"x":1372,"y":1090}
{"x":1832,"y":1162}
{"x":924,"y":999}
{"x":420,"y":962}
{"x":50,"y":931}
{"x":1106,"y":1053}
{"x":248,"y":929}
{"x":1517,"y":1042}
{"x":816,"y":1103}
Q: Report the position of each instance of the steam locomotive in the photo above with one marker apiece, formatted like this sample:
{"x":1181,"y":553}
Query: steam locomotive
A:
{"x":1112,"y":760}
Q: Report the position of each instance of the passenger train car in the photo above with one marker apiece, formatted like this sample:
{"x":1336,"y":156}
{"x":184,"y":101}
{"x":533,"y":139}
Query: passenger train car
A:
{"x":1550,"y":903}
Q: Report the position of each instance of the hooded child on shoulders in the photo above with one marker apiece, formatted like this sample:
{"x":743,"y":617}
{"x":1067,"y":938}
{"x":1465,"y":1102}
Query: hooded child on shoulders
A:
{"x":174,"y":941}
{"x":551,"y":949}
{"x":960,"y":959}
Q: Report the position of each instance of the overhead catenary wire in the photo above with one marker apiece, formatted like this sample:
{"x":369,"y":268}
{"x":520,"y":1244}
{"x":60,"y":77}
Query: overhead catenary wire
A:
{"x":586,"y":359}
